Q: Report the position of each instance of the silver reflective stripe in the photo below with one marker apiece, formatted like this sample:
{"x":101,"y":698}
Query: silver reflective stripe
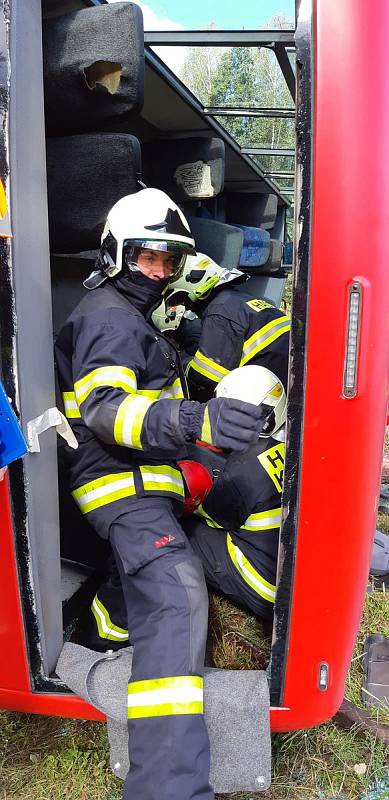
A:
{"x":165,"y":697}
{"x":162,"y":478}
{"x":207,"y":367}
{"x":107,"y":629}
{"x":264,"y":337}
{"x":111,"y":376}
{"x":249,"y":574}
{"x":263,"y":520}
{"x":104,"y":490}
{"x":70,"y":405}
{"x":151,"y":476}
{"x":129,"y":420}
{"x":173,"y":392}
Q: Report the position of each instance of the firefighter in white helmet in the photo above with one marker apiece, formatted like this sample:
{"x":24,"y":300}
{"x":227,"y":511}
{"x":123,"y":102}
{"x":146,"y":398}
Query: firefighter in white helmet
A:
{"x":236,"y":530}
{"x":237,"y":328}
{"x":124,"y":396}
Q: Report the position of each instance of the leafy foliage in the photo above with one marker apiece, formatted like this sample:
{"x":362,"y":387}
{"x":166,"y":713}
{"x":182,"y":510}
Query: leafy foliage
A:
{"x":245,"y":76}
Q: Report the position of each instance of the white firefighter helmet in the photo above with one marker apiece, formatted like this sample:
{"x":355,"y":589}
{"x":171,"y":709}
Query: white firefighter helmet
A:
{"x":200,"y":276}
{"x":168,"y":318}
{"x":148,"y":219}
{"x":260,"y":386}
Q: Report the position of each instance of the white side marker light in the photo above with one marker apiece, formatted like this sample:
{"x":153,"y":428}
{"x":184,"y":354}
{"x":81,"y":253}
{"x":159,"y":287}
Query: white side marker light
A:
{"x":323,"y":676}
{"x":352,"y":340}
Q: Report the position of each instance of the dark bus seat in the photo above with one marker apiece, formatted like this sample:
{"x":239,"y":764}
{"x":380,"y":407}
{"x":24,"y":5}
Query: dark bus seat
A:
{"x":86,"y":175}
{"x":221,"y":242}
{"x":256,"y":246}
{"x":187,"y":169}
{"x":88,"y":78}
{"x":252,"y":208}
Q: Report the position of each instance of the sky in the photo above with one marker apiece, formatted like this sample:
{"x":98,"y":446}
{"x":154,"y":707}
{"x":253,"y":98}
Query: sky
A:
{"x":192,"y":14}
{"x":224,"y":13}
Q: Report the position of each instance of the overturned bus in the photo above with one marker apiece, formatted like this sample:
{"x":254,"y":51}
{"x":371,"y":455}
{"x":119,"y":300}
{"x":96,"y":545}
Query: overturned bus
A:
{"x":110,"y":115}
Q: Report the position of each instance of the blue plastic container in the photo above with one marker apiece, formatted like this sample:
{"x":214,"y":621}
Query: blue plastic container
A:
{"x":12,"y":442}
{"x":256,"y":246}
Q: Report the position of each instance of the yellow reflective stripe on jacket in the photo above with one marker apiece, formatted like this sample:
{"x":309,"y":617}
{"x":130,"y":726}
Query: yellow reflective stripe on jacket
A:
{"x":71,"y":408}
{"x":263,"y":520}
{"x":106,"y":628}
{"x":210,"y":522}
{"x":165,"y":697}
{"x":104,"y":490}
{"x":262,"y":338}
{"x":206,"y":431}
{"x":129,"y":420}
{"x":162,"y":478}
{"x":207,"y":367}
{"x":114,"y":376}
{"x":249,"y":574}
{"x":172,"y":392}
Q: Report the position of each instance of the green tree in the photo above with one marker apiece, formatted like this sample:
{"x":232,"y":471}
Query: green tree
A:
{"x":199,"y":68}
{"x":250,"y":77}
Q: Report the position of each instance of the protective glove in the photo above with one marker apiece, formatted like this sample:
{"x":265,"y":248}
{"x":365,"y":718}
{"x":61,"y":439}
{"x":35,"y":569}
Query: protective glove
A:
{"x":226,"y":423}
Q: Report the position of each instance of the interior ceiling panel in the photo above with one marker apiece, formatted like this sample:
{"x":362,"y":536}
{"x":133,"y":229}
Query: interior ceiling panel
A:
{"x":165,"y":109}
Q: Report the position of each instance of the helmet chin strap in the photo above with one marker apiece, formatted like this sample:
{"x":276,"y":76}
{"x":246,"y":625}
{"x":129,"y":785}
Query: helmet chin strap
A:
{"x":104,"y":268}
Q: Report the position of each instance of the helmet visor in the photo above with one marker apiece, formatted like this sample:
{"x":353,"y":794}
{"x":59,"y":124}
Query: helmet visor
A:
{"x":177,"y":250}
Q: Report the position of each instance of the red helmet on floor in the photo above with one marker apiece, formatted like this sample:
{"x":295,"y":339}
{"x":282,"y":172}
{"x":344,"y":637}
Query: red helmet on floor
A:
{"x":198,"y":483}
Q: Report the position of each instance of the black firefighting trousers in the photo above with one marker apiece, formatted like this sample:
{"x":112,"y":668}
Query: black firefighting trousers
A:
{"x":220,"y":573}
{"x":167,"y":616}
{"x":105,"y":624}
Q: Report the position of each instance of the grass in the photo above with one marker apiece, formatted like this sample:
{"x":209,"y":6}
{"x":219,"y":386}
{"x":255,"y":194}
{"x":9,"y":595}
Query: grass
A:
{"x":57,"y":759}
{"x":327,"y":762}
{"x":375,"y":620}
{"x":54,"y":759}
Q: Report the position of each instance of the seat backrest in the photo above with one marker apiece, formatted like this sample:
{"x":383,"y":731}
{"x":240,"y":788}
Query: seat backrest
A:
{"x":265,"y":287}
{"x":86,"y":176}
{"x":90,"y":78}
{"x":187,"y":169}
{"x":221,"y":242}
{"x":256,"y":246}
{"x":252,"y":208}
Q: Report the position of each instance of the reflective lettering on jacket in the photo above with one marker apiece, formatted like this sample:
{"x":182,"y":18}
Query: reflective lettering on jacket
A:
{"x":273,"y":461}
{"x":258,"y":304}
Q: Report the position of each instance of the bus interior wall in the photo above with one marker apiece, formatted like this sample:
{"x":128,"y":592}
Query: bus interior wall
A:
{"x":93,"y":160}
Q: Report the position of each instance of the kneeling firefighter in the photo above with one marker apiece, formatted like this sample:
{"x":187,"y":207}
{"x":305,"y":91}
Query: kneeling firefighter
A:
{"x":237,"y":328}
{"x":124,"y":395}
{"x":236,"y":535}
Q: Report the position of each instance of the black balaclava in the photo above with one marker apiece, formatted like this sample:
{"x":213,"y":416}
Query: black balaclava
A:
{"x":142,"y":292}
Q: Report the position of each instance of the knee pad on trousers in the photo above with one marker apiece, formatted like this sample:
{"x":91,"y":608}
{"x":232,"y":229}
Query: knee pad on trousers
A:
{"x":191,"y":575}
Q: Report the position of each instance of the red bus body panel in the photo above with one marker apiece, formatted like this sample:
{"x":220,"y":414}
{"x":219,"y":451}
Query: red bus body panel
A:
{"x":15,"y":684}
{"x":342,"y":439}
